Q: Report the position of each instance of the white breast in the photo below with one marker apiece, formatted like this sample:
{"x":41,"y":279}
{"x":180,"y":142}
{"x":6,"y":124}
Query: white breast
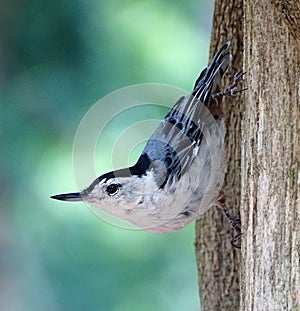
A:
{"x":173,"y":207}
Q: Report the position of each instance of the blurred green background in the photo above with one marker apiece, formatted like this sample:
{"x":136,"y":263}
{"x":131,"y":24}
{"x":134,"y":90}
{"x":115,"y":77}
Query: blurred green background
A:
{"x":57,"y":58}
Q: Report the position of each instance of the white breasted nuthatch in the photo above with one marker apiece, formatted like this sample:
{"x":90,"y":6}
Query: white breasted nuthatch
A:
{"x":179,"y":174}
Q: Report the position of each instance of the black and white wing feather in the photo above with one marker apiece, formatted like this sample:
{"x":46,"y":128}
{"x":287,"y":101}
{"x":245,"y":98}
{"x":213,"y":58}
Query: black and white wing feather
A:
{"x":175,"y":143}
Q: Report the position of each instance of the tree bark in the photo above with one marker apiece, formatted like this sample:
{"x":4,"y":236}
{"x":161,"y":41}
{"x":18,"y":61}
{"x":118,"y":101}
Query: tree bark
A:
{"x":263,"y":161}
{"x":218,"y":262}
{"x":270,"y":157}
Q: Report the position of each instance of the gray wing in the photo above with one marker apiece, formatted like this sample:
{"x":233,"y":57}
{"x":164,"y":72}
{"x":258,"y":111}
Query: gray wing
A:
{"x":175,"y":143}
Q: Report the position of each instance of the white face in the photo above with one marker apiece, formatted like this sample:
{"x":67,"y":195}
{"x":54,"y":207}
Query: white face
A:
{"x":121,"y":196}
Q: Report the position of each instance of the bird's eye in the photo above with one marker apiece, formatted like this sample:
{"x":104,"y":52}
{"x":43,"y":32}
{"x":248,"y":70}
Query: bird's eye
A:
{"x":112,"y":189}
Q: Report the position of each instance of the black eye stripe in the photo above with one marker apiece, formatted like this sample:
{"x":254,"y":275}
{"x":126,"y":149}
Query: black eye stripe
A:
{"x":112,"y":188}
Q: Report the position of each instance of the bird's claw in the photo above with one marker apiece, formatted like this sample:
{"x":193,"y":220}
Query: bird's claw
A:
{"x":235,"y":239}
{"x":238,"y":75}
{"x":232,"y":90}
{"x":235,"y":222}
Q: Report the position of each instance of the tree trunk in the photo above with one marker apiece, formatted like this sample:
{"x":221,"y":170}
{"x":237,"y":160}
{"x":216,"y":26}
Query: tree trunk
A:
{"x":268,"y":145}
{"x":270,"y":157}
{"x":218,"y":262}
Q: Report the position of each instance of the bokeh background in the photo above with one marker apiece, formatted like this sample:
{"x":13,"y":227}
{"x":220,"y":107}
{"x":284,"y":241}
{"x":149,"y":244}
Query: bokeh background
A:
{"x":57,"y":58}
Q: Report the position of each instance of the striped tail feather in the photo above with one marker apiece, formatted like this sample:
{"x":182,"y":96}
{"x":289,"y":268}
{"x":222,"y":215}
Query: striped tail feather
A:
{"x":209,"y":81}
{"x":218,"y":64}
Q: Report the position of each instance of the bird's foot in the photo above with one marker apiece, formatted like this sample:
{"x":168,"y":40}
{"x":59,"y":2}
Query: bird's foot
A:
{"x":232,"y":89}
{"x":235,"y":222}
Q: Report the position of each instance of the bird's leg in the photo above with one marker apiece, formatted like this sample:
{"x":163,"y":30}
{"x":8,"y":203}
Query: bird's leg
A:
{"x":235,"y":222}
{"x":232,"y":89}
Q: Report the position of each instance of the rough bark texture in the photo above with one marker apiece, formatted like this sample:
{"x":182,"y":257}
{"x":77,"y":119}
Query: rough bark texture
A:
{"x":264,"y":134}
{"x":218,"y":262}
{"x":270,"y":157}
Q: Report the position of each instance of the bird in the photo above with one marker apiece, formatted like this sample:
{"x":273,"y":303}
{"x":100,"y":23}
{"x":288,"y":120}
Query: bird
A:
{"x":179,"y":173}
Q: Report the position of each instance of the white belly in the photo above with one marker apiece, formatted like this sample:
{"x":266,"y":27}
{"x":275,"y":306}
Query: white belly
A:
{"x":195,"y":192}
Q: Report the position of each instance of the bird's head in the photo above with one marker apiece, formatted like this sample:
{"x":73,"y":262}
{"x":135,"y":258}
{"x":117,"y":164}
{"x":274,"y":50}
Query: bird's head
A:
{"x":118,"y":193}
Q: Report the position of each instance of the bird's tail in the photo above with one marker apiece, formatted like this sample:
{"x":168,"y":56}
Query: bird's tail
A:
{"x":210,"y":78}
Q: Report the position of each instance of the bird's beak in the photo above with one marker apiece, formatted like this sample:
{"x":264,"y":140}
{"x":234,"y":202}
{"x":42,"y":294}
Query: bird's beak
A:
{"x":72,"y":197}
